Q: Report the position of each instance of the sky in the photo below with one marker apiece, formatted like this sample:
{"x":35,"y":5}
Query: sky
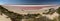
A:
{"x":30,"y":2}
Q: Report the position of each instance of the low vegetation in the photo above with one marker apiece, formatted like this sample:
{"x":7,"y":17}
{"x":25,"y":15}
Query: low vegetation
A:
{"x":18,"y":17}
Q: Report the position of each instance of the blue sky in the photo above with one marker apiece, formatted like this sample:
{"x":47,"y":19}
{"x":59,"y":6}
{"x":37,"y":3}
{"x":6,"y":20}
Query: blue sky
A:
{"x":30,"y":2}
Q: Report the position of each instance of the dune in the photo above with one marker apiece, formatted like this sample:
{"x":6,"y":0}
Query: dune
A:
{"x":24,"y":9}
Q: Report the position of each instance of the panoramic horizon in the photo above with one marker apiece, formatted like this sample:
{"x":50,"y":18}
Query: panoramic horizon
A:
{"x":29,"y":10}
